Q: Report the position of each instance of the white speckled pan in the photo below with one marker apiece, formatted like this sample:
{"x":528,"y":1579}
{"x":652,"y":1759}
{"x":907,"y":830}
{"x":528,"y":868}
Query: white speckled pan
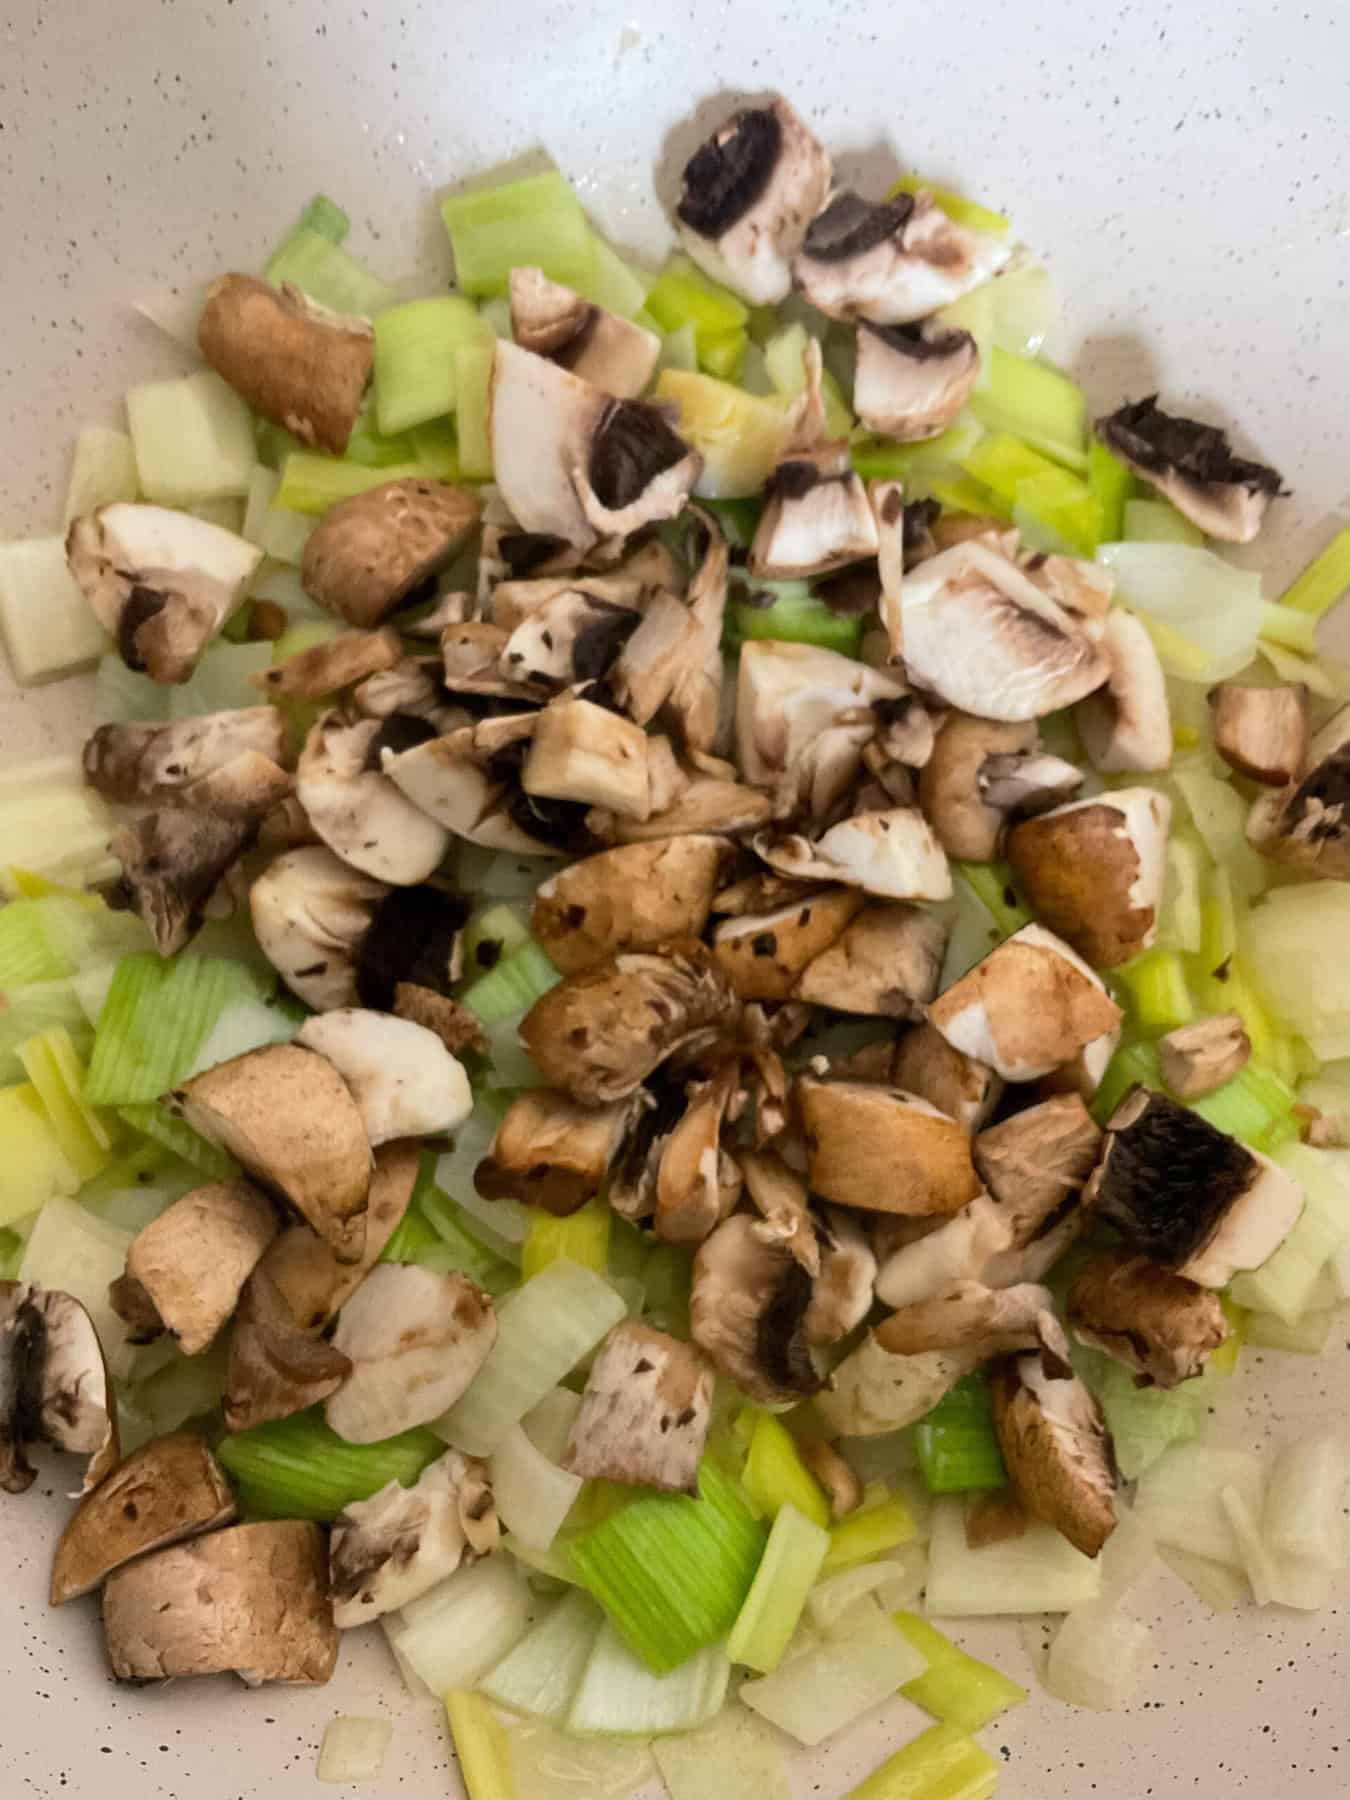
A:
{"x":1184,"y":169}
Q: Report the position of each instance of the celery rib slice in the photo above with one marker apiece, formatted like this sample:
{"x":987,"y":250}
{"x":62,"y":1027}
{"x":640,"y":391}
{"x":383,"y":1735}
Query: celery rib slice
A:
{"x":298,"y":1468}
{"x":957,"y":1689}
{"x":537,"y":221}
{"x":792,"y":1559}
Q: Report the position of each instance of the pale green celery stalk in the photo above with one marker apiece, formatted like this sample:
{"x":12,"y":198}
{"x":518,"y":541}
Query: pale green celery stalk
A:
{"x":957,"y":1689}
{"x":322,"y":215}
{"x":412,"y":1238}
{"x":1035,"y":402}
{"x":615,"y":283}
{"x":1159,"y":994}
{"x":435,"y":446}
{"x":373,"y":448}
{"x":1026,"y":307}
{"x":774,"y":1475}
{"x":154,"y":1021}
{"x":297,"y":1468}
{"x":956,"y":206}
{"x":792,"y":1559}
{"x":1113,"y":484}
{"x":1181,"y":921}
{"x":1001,"y":462}
{"x":193,"y":438}
{"x":1132,"y":1064}
{"x":326,"y":272}
{"x":537,"y":221}
{"x":1158,"y":522}
{"x":882,"y":459}
{"x":1324,"y":580}
{"x":723,"y":355}
{"x":683,"y":295}
{"x":992,"y":885}
{"x":161,"y":1127}
{"x":1290,"y":626}
{"x":940,"y":1764}
{"x":52,"y":1064}
{"x":519,"y":979}
{"x":311,"y":483}
{"x":1255,"y":1106}
{"x":280,"y":534}
{"x":1058,"y":512}
{"x":955,"y":1443}
{"x":473,"y":387}
{"x":102,"y":472}
{"x":794,"y":616}
{"x":482,"y":1750}
{"x":33,"y":1167}
{"x":869,"y":1533}
{"x":415,"y":347}
{"x":582,"y":1237}
{"x":1286,"y":1283}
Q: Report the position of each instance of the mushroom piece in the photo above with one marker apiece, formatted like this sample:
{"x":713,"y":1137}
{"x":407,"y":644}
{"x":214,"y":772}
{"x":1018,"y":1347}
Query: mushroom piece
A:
{"x":1028,"y":784}
{"x":982,"y":636}
{"x":169,"y":1489}
{"x":1197,"y":1059}
{"x":912,"y":380}
{"x":953,"y":790}
{"x":550,"y":1152}
{"x":1156,"y":1323}
{"x":54,"y":1386}
{"x":1185,"y":1194}
{"x":416,"y":1339}
{"x":193,"y":1260}
{"x":886,"y":963}
{"x":1127,"y":724}
{"x":288,"y":1116}
{"x":376,"y":551}
{"x":843,"y":1488}
{"x":747,"y":1310}
{"x":600,"y":1034}
{"x":1094,"y":871}
{"x":1261,"y":732}
{"x":697,"y":1182}
{"x":161,"y":583}
{"x":891,"y":853}
{"x":816,"y":517}
{"x":574,"y":462}
{"x":766,"y":954}
{"x":1194,"y":467}
{"x":971,"y":1319}
{"x":924,"y":1063}
{"x":706,"y":804}
{"x":585,"y":753}
{"x":960,"y":1248}
{"x":1084,"y":589}
{"x":404,"y":1541}
{"x":881,"y":1150}
{"x":252,"y":1600}
{"x":276,"y":1368}
{"x":1055,"y":1444}
{"x":632,"y":898}
{"x":749,"y":194}
{"x":893,"y":261}
{"x":1035,"y":1165}
{"x":156,"y":761}
{"x":599,"y":346}
{"x":356,"y":809}
{"x":778,"y":1194}
{"x":340,"y":662}
{"x":295,"y":362}
{"x":1304,"y":825}
{"x":875,"y":1391}
{"x":1028,"y":1007}
{"x":311,"y":912}
{"x":403,"y":1079}
{"x":573,"y":638}
{"x":842,"y":1294}
{"x":644,"y":1412}
{"x":455,"y":1025}
{"x":445,"y":779}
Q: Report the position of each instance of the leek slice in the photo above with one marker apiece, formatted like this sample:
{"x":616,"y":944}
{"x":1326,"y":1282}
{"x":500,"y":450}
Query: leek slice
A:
{"x":774,"y":1475}
{"x":882,"y":1524}
{"x":1288,"y":626}
{"x":541,"y":1675}
{"x":1025,"y":310}
{"x":683,"y":295}
{"x":222,"y":680}
{"x":481,"y":1747}
{"x":917,"y":465}
{"x":536,"y":221}
{"x":53,"y":935}
{"x":354,"y":1749}
{"x":48,"y":627}
{"x":614,"y":282}
{"x":955,"y":1443}
{"x":1113,"y":484}
{"x":735,"y":1757}
{"x":773,"y":1607}
{"x":193,"y":439}
{"x":415,"y":346}
{"x":1179,"y":1499}
{"x":34,"y":1007}
{"x":533,"y":1495}
{"x":53,"y":1066}
{"x":312,"y":260}
{"x":298,"y":1468}
{"x":818,"y":1692}
{"x":1213,"y":606}
{"x":1304,"y":1514}
{"x":940,"y":1764}
{"x":1324,"y":580}
{"x":581,"y":1238}
{"x":280,"y":533}
{"x":120,"y":694}
{"x":1158,"y":522}
{"x":34,"y":1168}
{"x":154,"y":1021}
{"x":102,"y":472}
{"x":957,"y":1689}
{"x":70,"y":1248}
{"x":620,"y":1697}
{"x":453,"y":1635}
{"x":513,"y":986}
{"x":1098,"y":1657}
{"x":1286,"y":1283}
{"x":1035,"y":402}
{"x":785,"y":363}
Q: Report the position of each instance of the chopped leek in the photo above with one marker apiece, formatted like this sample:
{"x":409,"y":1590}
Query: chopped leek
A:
{"x":473,"y":388}
{"x":154,"y":1021}
{"x":458,"y":1245}
{"x":774,"y":1474}
{"x":622,"y":1697}
{"x":1002,"y":463}
{"x":773,"y":1607}
{"x":955,"y":1688}
{"x":724,"y":355}
{"x":1324,"y":580}
{"x":415,"y":347}
{"x":816,"y":1693}
{"x":582,"y":1238}
{"x":354,"y":1749}
{"x":1254,"y":1106}
{"x":1113,"y":484}
{"x":955,"y":1443}
{"x":683,"y":295}
{"x":542,"y":1673}
{"x":1213,"y":606}
{"x":940,"y":1764}
{"x":870,"y":1532}
{"x":533,"y":1495}
{"x":53,"y":1066}
{"x":453,"y":1635}
{"x":992,"y":885}
{"x":974,"y":312}
{"x":297,"y":1468}
{"x":102,"y":472}
{"x":1026,"y":310}
{"x":1219,"y":815}
{"x":1181,"y":919}
{"x":435,"y":445}
{"x":37,"y":1006}
{"x":193,"y":439}
{"x":516,"y":982}
{"x":1158,"y":522}
{"x":33,"y":1167}
{"x":1037,"y":1572}
{"x":965,"y":212}
{"x":481,"y":1747}
{"x":736,"y":1751}
{"x":50,"y":936}
{"x":319,"y":266}
{"x":789,"y":611}
{"x":1219,"y":1586}
{"x":1267,"y":1331}
{"x":120,"y":694}
{"x":536,"y":221}
{"x":1287,"y":626}
{"x":48,"y":627}
{"x":72,"y":1249}
{"x":740,"y":436}
{"x":679,"y":350}
{"x":1304,"y":1511}
{"x":311,"y":483}
{"x":1159,"y":997}
{"x":1034,"y":401}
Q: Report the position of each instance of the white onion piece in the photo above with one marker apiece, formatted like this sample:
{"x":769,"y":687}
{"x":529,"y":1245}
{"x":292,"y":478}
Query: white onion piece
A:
{"x":354,"y":1749}
{"x":1214,"y":606}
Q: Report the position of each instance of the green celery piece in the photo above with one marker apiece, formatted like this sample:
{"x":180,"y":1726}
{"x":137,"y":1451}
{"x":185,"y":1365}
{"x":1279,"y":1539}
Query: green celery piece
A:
{"x":153,"y":1121}
{"x":992,"y":885}
{"x":1324,"y":580}
{"x":1002,"y":463}
{"x":1114,"y":484}
{"x":327,"y":218}
{"x":518,"y":980}
{"x":965,"y":212}
{"x":738,"y":519}
{"x":723,"y":354}
{"x":960,"y":494}
{"x":1132,"y":1065}
{"x":411,"y":1239}
{"x":869,"y":1533}
{"x":683,"y":295}
{"x":792,"y":1559}
{"x":679,"y":350}
{"x":491,"y":933}
{"x":11,"y":1254}
{"x":882,"y":459}
{"x":940,"y":1764}
{"x":435,"y":447}
{"x":1288,"y":625}
{"x":537,"y":221}
{"x":795,"y":617}
{"x":1035,"y":402}
{"x":297,"y":1468}
{"x":311,"y":483}
{"x":473,"y":386}
{"x":52,"y":1064}
{"x":1253,"y":1106}
{"x":458,"y":1247}
{"x":415,"y":347}
{"x":673,"y":1572}
{"x":40,"y":937}
{"x":1058,"y":512}
{"x":1158,"y":522}
{"x":580,"y":1237}
{"x":154,"y":1021}
{"x":326,"y":272}
{"x":373,"y":450}
{"x":775,"y":1476}
{"x":957,"y":1689}
{"x":956,"y":1443}
{"x":1157,"y":987}
{"x":667,"y":1277}
{"x":615,"y":284}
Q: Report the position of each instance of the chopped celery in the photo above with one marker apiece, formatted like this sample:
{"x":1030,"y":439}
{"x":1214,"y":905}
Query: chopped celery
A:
{"x":1002,"y":463}
{"x":482,"y":1749}
{"x":1324,"y":580}
{"x":784,"y":357}
{"x":955,"y":1443}
{"x":278,"y":532}
{"x":738,"y":519}
{"x":72,"y":1249}
{"x":222,"y":680}
{"x":683,"y":295}
{"x":319,"y":266}
{"x":473,"y":388}
{"x":1144,"y":1422}
{"x":327,"y":218}
{"x":582,"y":1238}
{"x":956,"y":1689}
{"x":297,"y":1468}
{"x":724,"y":355}
{"x":161,"y":1127}
{"x":33,"y":1167}
{"x":102,"y":472}
{"x":518,"y":980}
{"x":774,"y":1475}
{"x":794,"y":616}
{"x":817,"y":1693}
{"x":493,"y":932}
{"x":1113,"y":484}
{"x":672,"y":1572}
{"x":771,"y":1611}
{"x":882,"y":459}
{"x":1058,"y":512}
{"x":940,"y":1764}
{"x":620,"y":1696}
{"x":412,"y":1237}
{"x":868,"y":1533}
{"x":48,"y":627}
{"x":1253,"y":1106}
{"x":1288,"y":626}
{"x":435,"y":445}
{"x":540,"y":1676}
{"x":740,"y":436}
{"x":193,"y":439}
{"x":537,"y":221}
{"x":415,"y":347}
{"x":965,"y":212}
{"x":456,"y":1245}
{"x":311,"y":483}
{"x":53,"y":1066}
{"x":992,"y":885}
{"x":614,"y":283}
{"x":121,"y":695}
{"x":1034,"y":401}
{"x":155,"y":1020}
{"x":372,"y":448}
{"x":1181,"y":918}
{"x":1306,"y":1338}
{"x":1159,"y":995}
{"x":1158,"y":522}
{"x":1025,"y":306}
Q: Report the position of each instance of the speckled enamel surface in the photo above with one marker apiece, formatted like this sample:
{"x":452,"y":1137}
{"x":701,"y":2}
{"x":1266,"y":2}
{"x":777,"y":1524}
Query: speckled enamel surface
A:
{"x":1184,"y":169}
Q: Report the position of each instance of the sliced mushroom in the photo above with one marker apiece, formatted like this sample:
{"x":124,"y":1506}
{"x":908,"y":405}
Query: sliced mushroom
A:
{"x":169,"y":1489}
{"x":54,"y":1386}
{"x":1261,"y":732}
{"x":973,"y":1319}
{"x":1187,"y":1195}
{"x":160,"y":583}
{"x":953,"y":790}
{"x":645,"y":1412}
{"x":1197,"y":1059}
{"x":881,"y":1150}
{"x":893,"y":261}
{"x":156,"y":761}
{"x":816,"y":517}
{"x":1056,"y":1446}
{"x":290,"y":1119}
{"x":310,"y":913}
{"x":632,"y":898}
{"x":843,"y":1488}
{"x":584,"y":752}
{"x":1194,"y":467}
{"x":445,"y":780}
{"x":1127,"y":724}
{"x":912,"y":380}
{"x":1035,"y":1165}
{"x":891,"y":853}
{"x":707,"y":803}
{"x":252,"y":1600}
{"x":193,"y":1260}
{"x":416,"y":1339}
{"x":886,"y":963}
{"x":875,"y":1391}
{"x":778,"y":1194}
{"x":375,"y":552}
{"x":574,"y":637}
{"x":747,"y":1311}
{"x":599,"y":346}
{"x":750,"y":193}
{"x":924,"y":1063}
{"x":403,"y":1079}
{"x":1094,"y":871}
{"x":276,"y":1368}
{"x":341,"y":661}
{"x":1028,"y":1007}
{"x":1028,"y":784}
{"x":1304,"y":825}
{"x":550,"y":1152}
{"x":404,"y":1541}
{"x":295,"y":362}
{"x":766,"y":954}
{"x":960,"y":1248}
{"x":842,"y":1294}
{"x":697,"y":1182}
{"x":357,"y":810}
{"x":1156,"y":1323}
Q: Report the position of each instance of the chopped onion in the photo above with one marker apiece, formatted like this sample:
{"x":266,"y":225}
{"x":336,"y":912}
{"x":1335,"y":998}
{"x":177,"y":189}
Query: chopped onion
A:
{"x":354,"y":1749}
{"x":1098,"y":1657}
{"x":1215,"y":607}
{"x":620,"y":1696}
{"x":818,"y":1692}
{"x":452,"y":1636}
{"x":1283,"y":943}
{"x":542,"y":1673}
{"x":507,"y":1220}
{"x":532,"y":1493}
{"x":1037,"y":1572}
{"x":1217,"y":1584}
{"x":71,"y":1250}
{"x":735,"y":1758}
{"x":547,"y":1764}
{"x":1304,"y":1511}
{"x":1179,"y":1498}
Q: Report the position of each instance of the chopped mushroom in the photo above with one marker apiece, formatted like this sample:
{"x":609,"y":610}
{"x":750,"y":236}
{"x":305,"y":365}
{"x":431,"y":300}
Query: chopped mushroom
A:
{"x":193,"y":1260}
{"x":1156,"y":1323}
{"x":1194,"y":467}
{"x":54,"y":1386}
{"x":548,"y":1151}
{"x":1035,"y":1165}
{"x":816,"y":517}
{"x":311,"y":912}
{"x":295,"y":362}
{"x":886,"y":963}
{"x":891,"y":853}
{"x":404,"y":1541}
{"x":1196,"y":1059}
{"x":747,"y":1310}
{"x":357,"y":810}
{"x":1189,"y":1196}
{"x":455,"y":1025}
{"x":1304,"y":825}
{"x":1028,"y":1007}
{"x":321,"y":670}
{"x":1028,"y":784}
{"x":169,"y":1489}
{"x":161,"y":583}
{"x":444,"y":778}
{"x":376,"y":551}
{"x":969,"y":1317}
{"x":875,"y":1391}
{"x":705,"y":804}
{"x":157,"y":760}
{"x":750,"y":192}
{"x":252,"y":1600}
{"x":1261,"y":732}
{"x":893,"y":261}
{"x":416,"y":1339}
{"x":632,"y":898}
{"x":843,"y":1489}
{"x":1127,"y":724}
{"x":881,"y":1150}
{"x":924,"y":1063}
{"x":912,"y":380}
{"x":584,"y":752}
{"x":276,"y":1368}
{"x":574,"y":637}
{"x":766,"y":954}
{"x":697,"y":1182}
{"x":841,"y":1296}
{"x":954,"y":791}
{"x":1082,"y":588}
{"x":960,"y":1248}
{"x":403,"y":1079}
{"x":645,"y":1412}
{"x":778,"y":1194}
{"x":573,"y":332}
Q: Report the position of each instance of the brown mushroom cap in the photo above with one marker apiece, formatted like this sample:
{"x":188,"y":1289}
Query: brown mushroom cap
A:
{"x":778,"y":1194}
{"x":890,"y":853}
{"x":276,"y":1369}
{"x":583,"y":752}
{"x":548,"y":1151}
{"x":881,"y":1150}
{"x":922,"y":1062}
{"x":370,"y":554}
{"x":152,"y":761}
{"x":1056,"y":1446}
{"x":631,"y":898}
{"x":173,"y":860}
{"x":1156,"y":1323}
{"x":766,"y":954}
{"x":886,"y":963}
{"x":54,"y":1385}
{"x":599,"y":346}
{"x":970,"y":1318}
{"x":644,"y":1413}
{"x":193,"y":1260}
{"x":706,"y":804}
{"x":1196,"y":1059}
{"x":747,"y":1308}
{"x":1261,"y":732}
{"x":966,"y":824}
{"x":1193,"y":465}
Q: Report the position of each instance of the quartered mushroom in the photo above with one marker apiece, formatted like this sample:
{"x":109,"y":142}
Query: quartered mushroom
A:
{"x":631,"y":898}
{"x":816,"y":517}
{"x":340,"y":662}
{"x":954,"y":786}
{"x":475,"y":797}
{"x":375,"y":552}
{"x":632,"y":1184}
{"x":276,"y":1368}
{"x":1305,"y":824}
{"x":412,"y":687}
{"x":599,"y":346}
{"x":891,"y":853}
{"x":922,"y":1062}
{"x":881,"y":1150}
{"x":973,"y":1319}
{"x":1194,"y":467}
{"x":1187,"y":1195}
{"x":1028,"y":1007}
{"x":1127,"y":724}
{"x":358,"y":811}
{"x":893,"y":261}
{"x":288,"y":1116}
{"x":674,"y":666}
{"x":1035,"y":1165}
{"x":705,"y":803}
{"x":310,"y":913}
{"x":1094,"y":871}
{"x":1261,"y":732}
{"x":548,"y":1151}
{"x":403,"y":1541}
{"x":1196,"y":1059}
{"x":644,"y":1412}
{"x":193,"y":1260}
{"x":912,"y":380}
{"x":779,"y":1195}
{"x":54,"y":1386}
{"x":416,"y":1339}
{"x":157,"y":760}
{"x":1158,"y":1324}
{"x":747,"y":1311}
{"x":584,"y":753}
{"x":169,"y":1489}
{"x":697,"y":1182}
{"x":403,"y":1079}
{"x":161,"y":583}
{"x":842,"y":1293}
{"x":749,"y":194}
{"x":960,"y":1248}
{"x":886,"y":963}
{"x":573,"y":637}
{"x":766,"y":954}
{"x":251,"y":1600}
